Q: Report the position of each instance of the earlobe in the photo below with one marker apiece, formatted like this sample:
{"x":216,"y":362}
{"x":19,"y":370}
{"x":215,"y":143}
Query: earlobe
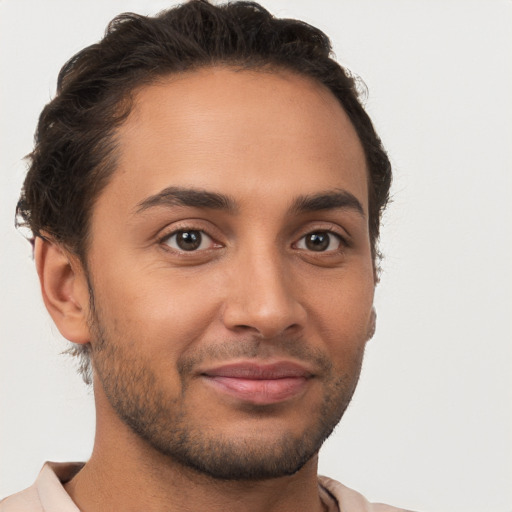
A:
{"x":64,"y":289}
{"x":372,"y":324}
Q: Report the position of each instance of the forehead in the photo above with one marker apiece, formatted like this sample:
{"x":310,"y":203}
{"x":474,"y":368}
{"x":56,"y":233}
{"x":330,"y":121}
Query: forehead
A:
{"x":237,"y":132}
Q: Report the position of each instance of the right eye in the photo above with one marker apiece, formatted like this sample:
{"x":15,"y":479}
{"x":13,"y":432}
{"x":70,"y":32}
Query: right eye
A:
{"x":189,"y":240}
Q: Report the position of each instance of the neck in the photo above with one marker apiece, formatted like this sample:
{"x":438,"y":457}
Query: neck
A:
{"x":125,"y":473}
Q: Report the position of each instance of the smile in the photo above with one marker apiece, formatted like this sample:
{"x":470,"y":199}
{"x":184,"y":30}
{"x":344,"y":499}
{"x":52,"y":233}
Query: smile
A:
{"x":259,"y":384}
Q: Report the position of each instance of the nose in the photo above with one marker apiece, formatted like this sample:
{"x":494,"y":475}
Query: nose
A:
{"x":263,"y":297}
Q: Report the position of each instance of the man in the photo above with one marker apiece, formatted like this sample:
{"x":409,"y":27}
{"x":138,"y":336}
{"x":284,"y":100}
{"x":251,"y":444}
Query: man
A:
{"x":205,"y":195}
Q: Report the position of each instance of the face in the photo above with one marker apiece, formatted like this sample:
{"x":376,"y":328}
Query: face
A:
{"x":231,"y":270}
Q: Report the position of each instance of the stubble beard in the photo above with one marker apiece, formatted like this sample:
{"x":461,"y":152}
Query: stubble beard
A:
{"x":134,"y":393}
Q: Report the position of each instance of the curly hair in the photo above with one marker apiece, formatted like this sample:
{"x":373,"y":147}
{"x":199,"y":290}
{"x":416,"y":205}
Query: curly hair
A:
{"x":74,"y":153}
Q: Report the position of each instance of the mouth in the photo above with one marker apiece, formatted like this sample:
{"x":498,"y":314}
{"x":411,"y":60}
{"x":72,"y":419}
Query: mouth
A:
{"x":259,"y":384}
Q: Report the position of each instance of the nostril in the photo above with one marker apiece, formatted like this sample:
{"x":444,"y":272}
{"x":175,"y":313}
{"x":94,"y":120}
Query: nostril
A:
{"x":245,"y":328}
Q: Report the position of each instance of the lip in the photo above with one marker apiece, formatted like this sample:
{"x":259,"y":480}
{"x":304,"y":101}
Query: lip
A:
{"x":256,"y":383}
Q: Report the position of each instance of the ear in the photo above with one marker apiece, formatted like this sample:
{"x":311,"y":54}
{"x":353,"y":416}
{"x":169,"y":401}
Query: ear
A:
{"x":64,"y":289}
{"x":372,"y":324}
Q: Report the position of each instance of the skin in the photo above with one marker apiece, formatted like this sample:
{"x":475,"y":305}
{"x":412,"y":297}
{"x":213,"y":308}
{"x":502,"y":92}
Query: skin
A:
{"x":254,"y":290}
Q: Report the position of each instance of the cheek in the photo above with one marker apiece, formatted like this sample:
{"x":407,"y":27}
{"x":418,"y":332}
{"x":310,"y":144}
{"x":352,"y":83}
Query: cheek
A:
{"x":159,"y":314}
{"x":152,"y":324}
{"x":341,"y":314}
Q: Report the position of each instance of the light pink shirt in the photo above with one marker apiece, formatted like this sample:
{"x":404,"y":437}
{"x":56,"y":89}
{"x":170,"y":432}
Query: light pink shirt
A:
{"x":47,"y":494}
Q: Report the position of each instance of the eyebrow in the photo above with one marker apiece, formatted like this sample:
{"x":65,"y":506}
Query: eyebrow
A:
{"x":196,"y":198}
{"x":329,"y":200}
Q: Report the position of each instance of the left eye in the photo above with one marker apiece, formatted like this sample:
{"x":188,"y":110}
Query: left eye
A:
{"x":319,"y":241}
{"x":189,"y":240}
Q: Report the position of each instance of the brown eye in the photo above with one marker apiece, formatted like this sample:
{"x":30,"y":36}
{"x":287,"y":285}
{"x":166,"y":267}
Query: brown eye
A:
{"x":189,"y":240}
{"x":319,"y":241}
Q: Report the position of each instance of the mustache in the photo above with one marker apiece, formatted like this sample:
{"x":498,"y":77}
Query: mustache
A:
{"x":257,"y":350}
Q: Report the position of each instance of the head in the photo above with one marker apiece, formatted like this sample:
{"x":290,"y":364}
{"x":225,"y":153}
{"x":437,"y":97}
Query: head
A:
{"x":182,"y":132}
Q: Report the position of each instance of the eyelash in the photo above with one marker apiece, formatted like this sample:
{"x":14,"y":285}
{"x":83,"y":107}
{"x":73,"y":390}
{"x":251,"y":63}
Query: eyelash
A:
{"x":164,"y":240}
{"x":331,"y":234}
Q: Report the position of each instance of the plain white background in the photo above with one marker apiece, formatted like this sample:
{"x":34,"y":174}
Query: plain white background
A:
{"x":430,"y":425}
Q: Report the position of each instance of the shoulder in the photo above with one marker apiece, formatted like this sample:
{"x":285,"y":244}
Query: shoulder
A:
{"x":47,"y":494}
{"x":24,"y":501}
{"x":351,"y":501}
